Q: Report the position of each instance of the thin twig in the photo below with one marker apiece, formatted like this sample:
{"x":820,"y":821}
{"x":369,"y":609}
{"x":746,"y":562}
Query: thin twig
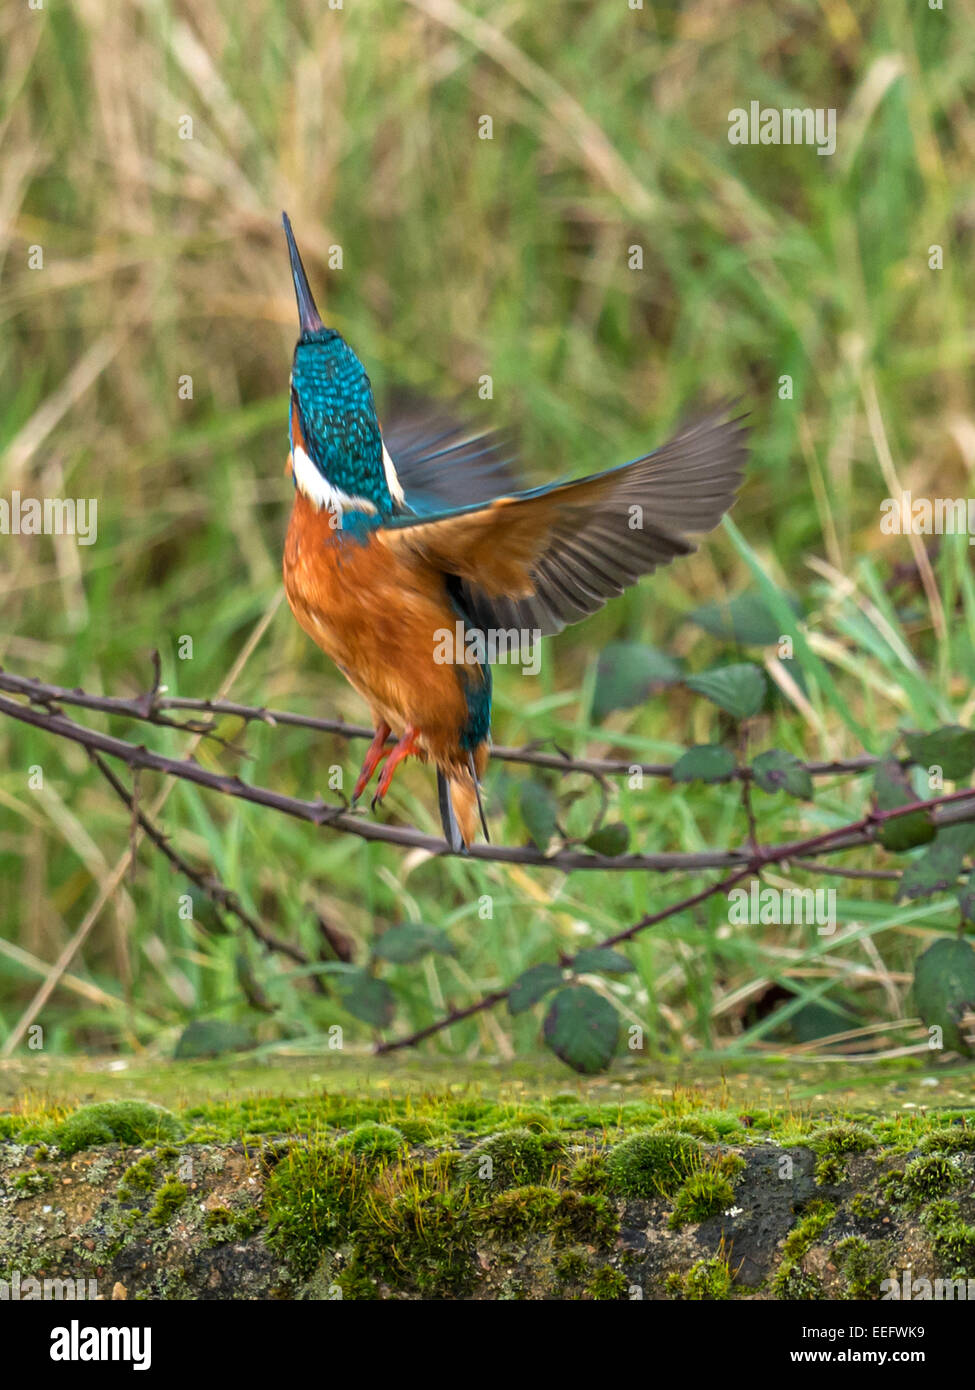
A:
{"x":746,"y":788}
{"x":944,"y":810}
{"x":150,"y":710}
{"x":951,"y":808}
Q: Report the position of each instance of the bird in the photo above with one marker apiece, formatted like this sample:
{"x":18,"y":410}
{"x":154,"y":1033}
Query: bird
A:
{"x":400,"y":536}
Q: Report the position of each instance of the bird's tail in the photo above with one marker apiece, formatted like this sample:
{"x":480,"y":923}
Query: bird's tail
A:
{"x":459,"y":795}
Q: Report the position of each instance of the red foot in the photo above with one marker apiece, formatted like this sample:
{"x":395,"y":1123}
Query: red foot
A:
{"x":407,"y":745}
{"x":375,"y":753}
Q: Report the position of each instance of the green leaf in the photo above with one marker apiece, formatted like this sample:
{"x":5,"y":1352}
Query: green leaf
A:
{"x":892,"y":789}
{"x":625,"y":675}
{"x":533,"y":984}
{"x":944,"y":989}
{"x":602,"y":960}
{"x":778,"y":771}
{"x":739,"y":690}
{"x":705,"y":762}
{"x":539,"y":812}
{"x":367,"y":998}
{"x":210,"y":1037}
{"x":937,"y":869}
{"x":821,"y":1020}
{"x":907,"y":832}
{"x":951,"y":748}
{"x":611,"y":840}
{"x":410,"y":941}
{"x":745,"y":619}
{"x":582,"y":1028}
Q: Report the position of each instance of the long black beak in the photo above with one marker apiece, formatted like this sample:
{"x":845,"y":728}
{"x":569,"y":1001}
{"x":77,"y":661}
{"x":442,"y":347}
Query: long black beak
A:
{"x":308,"y":316}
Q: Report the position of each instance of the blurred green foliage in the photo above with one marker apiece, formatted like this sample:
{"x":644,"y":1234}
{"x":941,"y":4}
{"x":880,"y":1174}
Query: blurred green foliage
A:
{"x":462,"y":257}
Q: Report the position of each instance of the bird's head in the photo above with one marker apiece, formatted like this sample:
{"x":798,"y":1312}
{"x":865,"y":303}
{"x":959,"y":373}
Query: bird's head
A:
{"x":338,"y":457}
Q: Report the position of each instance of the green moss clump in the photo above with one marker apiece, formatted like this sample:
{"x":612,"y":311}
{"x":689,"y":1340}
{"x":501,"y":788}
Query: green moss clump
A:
{"x":951,"y":1139}
{"x":418,"y":1131}
{"x":422,"y":1239}
{"x":941,"y":1213}
{"x":115,"y":1122}
{"x":652,"y":1164}
{"x":310,"y":1198}
{"x":520,"y":1212}
{"x":705,"y":1193}
{"x":571,"y":1267}
{"x":954,"y":1243}
{"x":354,"y":1283}
{"x":170,"y":1196}
{"x":830,"y":1170}
{"x":375,"y":1141}
{"x":510,"y":1158}
{"x":218,"y":1219}
{"x":790,"y":1281}
{"x":843,"y":1138}
{"x":927,"y":1177}
{"x":608,"y":1284}
{"x":407,"y":1227}
{"x":706,"y":1280}
{"x":930,"y":1173}
{"x":569,"y":1217}
{"x":953,"y":1240}
{"x":32,"y":1181}
{"x":863,"y":1265}
{"x":730,"y":1165}
{"x":232,"y":1223}
{"x":712,"y":1125}
{"x":140,"y":1176}
{"x":469,"y":1114}
{"x":864,"y":1207}
{"x":589,"y":1174}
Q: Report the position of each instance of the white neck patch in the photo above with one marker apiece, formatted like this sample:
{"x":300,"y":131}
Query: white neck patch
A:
{"x":392,"y":479}
{"x":320,"y":491}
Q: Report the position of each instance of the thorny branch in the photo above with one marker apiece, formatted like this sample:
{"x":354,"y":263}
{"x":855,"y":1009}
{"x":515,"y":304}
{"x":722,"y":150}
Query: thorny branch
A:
{"x":44,"y":712}
{"x":151,"y":706}
{"x":946,"y":810}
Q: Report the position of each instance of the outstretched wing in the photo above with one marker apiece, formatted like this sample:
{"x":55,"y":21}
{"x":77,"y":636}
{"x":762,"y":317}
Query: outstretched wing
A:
{"x":546,"y":558}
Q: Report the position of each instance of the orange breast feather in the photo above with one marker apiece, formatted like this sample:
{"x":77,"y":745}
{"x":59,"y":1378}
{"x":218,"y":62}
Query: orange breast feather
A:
{"x":376,"y":612}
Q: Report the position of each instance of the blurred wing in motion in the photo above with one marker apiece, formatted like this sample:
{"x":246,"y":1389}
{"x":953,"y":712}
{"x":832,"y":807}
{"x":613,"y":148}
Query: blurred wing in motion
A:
{"x":546,"y":558}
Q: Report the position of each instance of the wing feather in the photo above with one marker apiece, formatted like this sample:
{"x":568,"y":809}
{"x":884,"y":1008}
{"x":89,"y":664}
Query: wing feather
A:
{"x":546,"y":558}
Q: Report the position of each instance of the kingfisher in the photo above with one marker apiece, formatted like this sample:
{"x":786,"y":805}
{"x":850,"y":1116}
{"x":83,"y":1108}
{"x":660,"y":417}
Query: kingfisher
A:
{"x":401,"y":537}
